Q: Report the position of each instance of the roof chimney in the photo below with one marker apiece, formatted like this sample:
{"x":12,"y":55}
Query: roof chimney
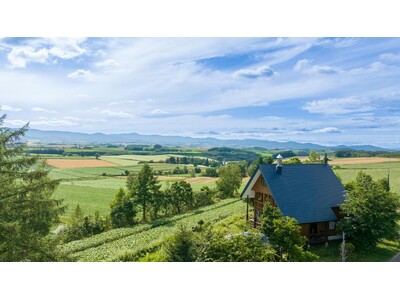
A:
{"x":279,"y":164}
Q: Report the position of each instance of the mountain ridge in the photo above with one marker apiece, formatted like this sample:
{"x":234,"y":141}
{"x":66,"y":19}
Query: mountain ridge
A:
{"x":66,"y":137}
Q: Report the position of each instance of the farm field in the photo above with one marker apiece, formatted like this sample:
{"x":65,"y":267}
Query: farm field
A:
{"x":116,"y":244}
{"x":348,"y":172}
{"x":78,"y":163}
{"x":361,"y":160}
{"x":93,"y":183}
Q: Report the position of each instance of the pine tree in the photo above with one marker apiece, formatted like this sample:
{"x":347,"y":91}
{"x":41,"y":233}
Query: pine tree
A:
{"x":144,"y":189}
{"x":28,"y":209}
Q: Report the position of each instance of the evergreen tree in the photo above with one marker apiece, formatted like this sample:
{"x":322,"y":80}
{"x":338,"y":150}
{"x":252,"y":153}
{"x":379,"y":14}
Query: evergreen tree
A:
{"x":144,"y":189}
{"x":181,"y":247}
{"x":28,"y":209}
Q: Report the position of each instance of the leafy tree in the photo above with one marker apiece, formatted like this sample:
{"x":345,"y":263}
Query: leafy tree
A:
{"x":28,"y":209}
{"x":97,"y":155}
{"x":122,"y":210}
{"x":371,"y":213}
{"x":284,"y":234}
{"x":229,"y":181}
{"x":203,"y":197}
{"x":181,"y":194}
{"x":181,"y":247}
{"x":211,"y":172}
{"x":144,"y":189}
{"x":314,"y":157}
{"x":292,"y":160}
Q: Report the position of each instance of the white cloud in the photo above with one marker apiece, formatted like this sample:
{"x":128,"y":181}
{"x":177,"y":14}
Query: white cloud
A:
{"x":119,"y":114}
{"x":15,"y":123}
{"x":334,"y":106}
{"x":107,"y":63}
{"x":328,"y":130}
{"x":80,"y":74}
{"x":42,"y":50}
{"x":262,"y":71}
{"x":9,"y":108}
{"x":39,"y":109}
{"x":392,"y":57}
{"x":304,"y":66}
{"x":20,"y":56}
{"x":158,"y":112}
{"x":66,"y":48}
{"x":53,"y":122}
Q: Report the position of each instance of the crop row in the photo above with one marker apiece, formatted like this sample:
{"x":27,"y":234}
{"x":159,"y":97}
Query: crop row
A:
{"x":116,"y":234}
{"x":110,"y":245}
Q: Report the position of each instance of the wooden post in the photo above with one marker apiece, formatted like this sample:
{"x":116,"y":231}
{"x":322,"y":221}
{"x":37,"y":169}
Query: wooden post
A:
{"x":247,"y":208}
{"x":343,"y":254}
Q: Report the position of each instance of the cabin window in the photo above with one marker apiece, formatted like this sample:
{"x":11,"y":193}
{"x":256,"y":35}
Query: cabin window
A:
{"x":332,"y":225}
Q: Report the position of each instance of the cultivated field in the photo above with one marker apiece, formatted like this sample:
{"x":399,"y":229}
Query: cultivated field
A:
{"x":361,"y":160}
{"x":78,"y":163}
{"x":117,"y":244}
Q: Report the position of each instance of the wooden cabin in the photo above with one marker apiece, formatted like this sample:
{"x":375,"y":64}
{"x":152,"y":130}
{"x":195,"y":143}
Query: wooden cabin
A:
{"x":310,"y":193}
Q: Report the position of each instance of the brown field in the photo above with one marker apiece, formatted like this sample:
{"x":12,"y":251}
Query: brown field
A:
{"x":361,"y":160}
{"x":201,"y":180}
{"x":78,"y":163}
{"x":170,"y":178}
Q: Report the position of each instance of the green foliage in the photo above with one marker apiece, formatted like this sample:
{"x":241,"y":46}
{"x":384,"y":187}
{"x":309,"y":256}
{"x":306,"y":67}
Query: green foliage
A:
{"x":229,"y":181}
{"x":204,"y":196}
{"x":28,"y":209}
{"x":181,"y":196}
{"x":314,"y":157}
{"x":181,"y":247}
{"x":123,"y":210}
{"x":371,"y":213}
{"x":284,"y":235}
{"x":211,"y":172}
{"x":292,"y":160}
{"x":144,"y":190}
{"x":238,"y":248}
{"x":80,"y":226}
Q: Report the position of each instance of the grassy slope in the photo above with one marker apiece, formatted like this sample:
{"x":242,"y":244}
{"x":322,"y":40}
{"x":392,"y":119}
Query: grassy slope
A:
{"x":114,"y":244}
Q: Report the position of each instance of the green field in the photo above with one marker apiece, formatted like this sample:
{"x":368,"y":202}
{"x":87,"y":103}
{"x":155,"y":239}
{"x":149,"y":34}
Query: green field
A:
{"x":377,"y":171}
{"x":116,"y":244}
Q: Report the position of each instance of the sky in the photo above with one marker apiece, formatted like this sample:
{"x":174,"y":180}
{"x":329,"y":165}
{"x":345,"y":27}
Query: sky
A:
{"x":329,"y":91}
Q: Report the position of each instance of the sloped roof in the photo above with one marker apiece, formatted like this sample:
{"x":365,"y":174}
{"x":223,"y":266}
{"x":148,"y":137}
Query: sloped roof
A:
{"x":306,"y":192}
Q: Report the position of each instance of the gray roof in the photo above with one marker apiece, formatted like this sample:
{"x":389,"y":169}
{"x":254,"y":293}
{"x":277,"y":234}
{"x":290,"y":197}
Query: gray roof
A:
{"x":306,"y":192}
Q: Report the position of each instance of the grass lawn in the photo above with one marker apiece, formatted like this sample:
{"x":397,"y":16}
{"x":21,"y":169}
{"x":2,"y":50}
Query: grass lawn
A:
{"x":383,"y":252}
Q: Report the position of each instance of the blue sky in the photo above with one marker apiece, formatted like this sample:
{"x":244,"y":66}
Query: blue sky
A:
{"x":322,"y":90}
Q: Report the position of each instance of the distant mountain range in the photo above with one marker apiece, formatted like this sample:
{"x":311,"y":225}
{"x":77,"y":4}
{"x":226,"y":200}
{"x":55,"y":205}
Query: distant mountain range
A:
{"x":65,"y":137}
